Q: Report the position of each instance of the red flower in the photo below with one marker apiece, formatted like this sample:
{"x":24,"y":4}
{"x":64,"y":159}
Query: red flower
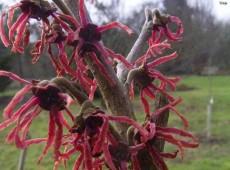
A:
{"x":30,"y":9}
{"x":174,"y":136}
{"x":83,"y":37}
{"x":87,"y":39}
{"x":146,"y":77}
{"x":181,"y":138}
{"x":92,"y":137}
{"x":39,"y":10}
{"x":161,"y":24}
{"x":45,"y":97}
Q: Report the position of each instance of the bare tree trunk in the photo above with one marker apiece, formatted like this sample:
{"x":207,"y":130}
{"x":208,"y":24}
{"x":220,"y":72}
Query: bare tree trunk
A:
{"x":116,"y":97}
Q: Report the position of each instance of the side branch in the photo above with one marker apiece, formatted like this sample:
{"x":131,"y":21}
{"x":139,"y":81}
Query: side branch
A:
{"x":73,"y":7}
{"x":62,"y":6}
{"x":71,"y":89}
{"x":138,"y":47}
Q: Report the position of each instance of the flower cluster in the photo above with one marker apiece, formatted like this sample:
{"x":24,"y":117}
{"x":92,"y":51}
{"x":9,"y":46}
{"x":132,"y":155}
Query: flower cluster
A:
{"x":46,"y":96}
{"x":91,"y":133}
{"x":64,"y":30}
{"x":143,"y":74}
{"x":94,"y":138}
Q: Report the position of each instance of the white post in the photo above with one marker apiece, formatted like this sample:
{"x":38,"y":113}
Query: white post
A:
{"x":209,"y":115}
{"x":22,"y":157}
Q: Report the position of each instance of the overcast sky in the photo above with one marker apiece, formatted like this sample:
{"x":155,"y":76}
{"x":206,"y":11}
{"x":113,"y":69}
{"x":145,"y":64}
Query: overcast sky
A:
{"x":221,"y":11}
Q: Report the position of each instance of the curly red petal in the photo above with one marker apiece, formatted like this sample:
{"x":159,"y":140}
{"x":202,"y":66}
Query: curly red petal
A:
{"x":162,"y":60}
{"x":145,"y":103}
{"x":7,"y":112}
{"x":103,"y":132}
{"x":51,"y":135}
{"x":82,"y":13}
{"x":113,"y":25}
{"x":108,"y":157}
{"x":3,"y":37}
{"x":21,"y":111}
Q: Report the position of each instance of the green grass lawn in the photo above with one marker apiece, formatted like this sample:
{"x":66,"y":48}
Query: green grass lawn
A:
{"x":211,"y":155}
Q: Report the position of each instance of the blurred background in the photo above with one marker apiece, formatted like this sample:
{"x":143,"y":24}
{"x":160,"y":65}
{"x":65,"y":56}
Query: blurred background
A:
{"x":203,"y":63}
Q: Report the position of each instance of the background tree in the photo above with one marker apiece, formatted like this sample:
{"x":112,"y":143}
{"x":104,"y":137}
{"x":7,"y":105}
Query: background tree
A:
{"x":5,"y":61}
{"x":197,"y":49}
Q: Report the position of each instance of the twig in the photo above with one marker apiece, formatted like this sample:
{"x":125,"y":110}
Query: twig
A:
{"x":77,"y":94}
{"x":62,"y":7}
{"x":73,"y":7}
{"x":138,"y":47}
